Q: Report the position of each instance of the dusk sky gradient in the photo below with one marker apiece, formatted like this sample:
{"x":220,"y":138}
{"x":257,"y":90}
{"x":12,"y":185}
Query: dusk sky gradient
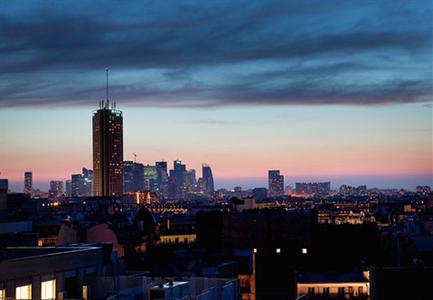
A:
{"x":323,"y":90}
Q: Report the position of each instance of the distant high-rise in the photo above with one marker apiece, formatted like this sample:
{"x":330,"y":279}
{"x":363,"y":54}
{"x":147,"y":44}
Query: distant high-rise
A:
{"x":68,"y":188}
{"x":207,"y":179}
{"x":77,"y":186}
{"x":161,"y":169}
{"x":276,"y":183}
{"x":107,"y":150}
{"x":150,"y":178}
{"x":56,"y":188}
{"x":28,"y":183}
{"x":133,"y":176}
{"x":88,"y":181}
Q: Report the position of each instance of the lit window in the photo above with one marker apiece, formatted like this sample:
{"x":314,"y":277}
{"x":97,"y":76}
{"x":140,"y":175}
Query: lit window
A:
{"x":48,"y":289}
{"x":255,"y":250}
{"x":278,"y":250}
{"x":2,"y":294}
{"x":23,"y":292}
{"x":304,"y":251}
{"x":85,"y":292}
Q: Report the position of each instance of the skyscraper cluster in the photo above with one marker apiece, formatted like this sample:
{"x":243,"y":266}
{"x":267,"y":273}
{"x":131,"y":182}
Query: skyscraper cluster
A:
{"x":112,"y":176}
{"x":80,"y":185}
{"x":175,"y":183}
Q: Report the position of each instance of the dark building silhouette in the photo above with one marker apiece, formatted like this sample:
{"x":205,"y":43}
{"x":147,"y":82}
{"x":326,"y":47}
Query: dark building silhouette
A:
{"x":260,"y":194}
{"x":107,"y":151}
{"x":208,"y":179}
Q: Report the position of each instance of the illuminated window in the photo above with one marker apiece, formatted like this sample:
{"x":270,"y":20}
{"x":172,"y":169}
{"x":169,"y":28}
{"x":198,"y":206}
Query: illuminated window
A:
{"x":278,"y":250}
{"x":48,"y":289}
{"x":2,"y":294}
{"x":85,"y":292}
{"x":304,"y":251}
{"x":255,"y":250}
{"x":23,"y":292}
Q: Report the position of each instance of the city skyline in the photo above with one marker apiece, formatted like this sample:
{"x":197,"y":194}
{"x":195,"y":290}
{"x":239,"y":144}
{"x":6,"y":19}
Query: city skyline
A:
{"x":246,"y":89}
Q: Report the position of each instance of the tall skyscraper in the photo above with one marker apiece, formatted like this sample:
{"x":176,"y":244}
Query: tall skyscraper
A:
{"x":28,"y":183}
{"x":276,"y":183}
{"x":207,"y":179}
{"x":107,"y":150}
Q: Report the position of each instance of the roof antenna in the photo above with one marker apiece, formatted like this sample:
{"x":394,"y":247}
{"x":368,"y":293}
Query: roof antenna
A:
{"x":106,"y":88}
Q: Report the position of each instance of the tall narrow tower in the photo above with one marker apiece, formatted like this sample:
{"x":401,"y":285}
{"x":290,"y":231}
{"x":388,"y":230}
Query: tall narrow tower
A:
{"x":28,"y":182}
{"x":107,"y":149}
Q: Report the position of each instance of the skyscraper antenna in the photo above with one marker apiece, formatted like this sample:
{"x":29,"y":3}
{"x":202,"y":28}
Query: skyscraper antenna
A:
{"x":106,"y":88}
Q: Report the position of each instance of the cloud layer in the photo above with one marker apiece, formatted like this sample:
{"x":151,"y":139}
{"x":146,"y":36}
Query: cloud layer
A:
{"x":215,"y":53}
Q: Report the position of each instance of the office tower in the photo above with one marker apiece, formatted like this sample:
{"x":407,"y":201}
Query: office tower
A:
{"x":161,"y":169}
{"x":133,"y":176}
{"x":68,"y":188}
{"x":88,"y":181}
{"x":107,"y":151}
{"x":276,"y":183}
{"x":161,"y":165}
{"x":207,"y":179}
{"x":150,"y":178}
{"x":191,"y":180}
{"x":56,"y":188}
{"x":28,"y":183}
{"x":77,"y":186}
{"x":179,"y":170}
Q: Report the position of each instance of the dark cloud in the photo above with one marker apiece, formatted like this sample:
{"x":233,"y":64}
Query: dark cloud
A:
{"x":216,"y":54}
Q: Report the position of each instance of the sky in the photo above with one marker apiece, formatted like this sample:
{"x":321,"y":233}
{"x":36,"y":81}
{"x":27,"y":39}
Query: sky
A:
{"x":322,"y":90}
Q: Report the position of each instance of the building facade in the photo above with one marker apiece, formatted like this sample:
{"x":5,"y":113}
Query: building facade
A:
{"x":276,"y":183}
{"x":107,"y":151}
